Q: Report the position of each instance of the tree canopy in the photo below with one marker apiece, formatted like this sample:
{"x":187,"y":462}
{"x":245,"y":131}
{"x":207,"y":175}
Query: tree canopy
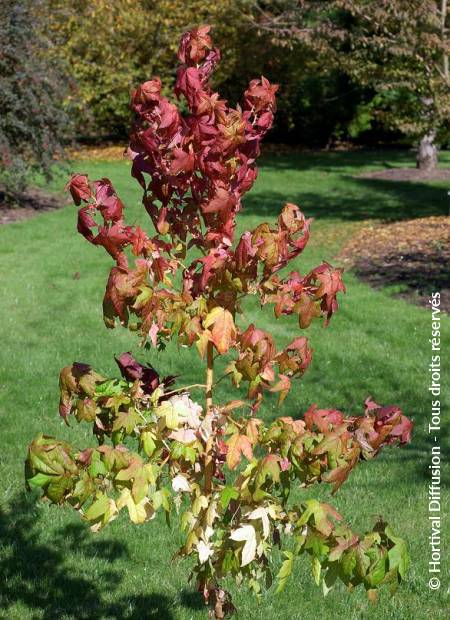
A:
{"x":396,"y":49}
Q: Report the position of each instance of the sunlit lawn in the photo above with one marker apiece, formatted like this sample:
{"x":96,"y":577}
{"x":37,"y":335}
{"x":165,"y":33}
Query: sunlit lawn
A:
{"x":51,"y":567}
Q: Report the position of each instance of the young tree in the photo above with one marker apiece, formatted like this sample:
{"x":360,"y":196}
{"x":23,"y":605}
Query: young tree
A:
{"x":399,"y":48}
{"x":227,"y":472}
{"x":33,"y":125}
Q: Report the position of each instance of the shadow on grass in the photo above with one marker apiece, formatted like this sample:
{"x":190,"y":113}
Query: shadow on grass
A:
{"x":336,"y":161}
{"x":35,"y":576}
{"x":372,"y":199}
{"x":192,"y":599}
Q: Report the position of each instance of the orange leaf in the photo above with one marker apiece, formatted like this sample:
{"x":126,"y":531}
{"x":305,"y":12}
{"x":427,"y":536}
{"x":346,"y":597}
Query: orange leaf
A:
{"x":223,"y":332}
{"x":252,"y":429}
{"x":238,"y":445}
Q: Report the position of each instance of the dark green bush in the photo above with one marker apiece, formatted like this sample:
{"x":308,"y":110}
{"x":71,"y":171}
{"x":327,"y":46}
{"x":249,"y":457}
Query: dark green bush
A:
{"x":33,"y":125}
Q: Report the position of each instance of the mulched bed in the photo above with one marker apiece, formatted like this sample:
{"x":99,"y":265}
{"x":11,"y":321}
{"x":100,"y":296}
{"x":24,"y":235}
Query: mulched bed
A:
{"x":407,"y":174}
{"x":31,"y":202}
{"x":104,"y":152}
{"x":413,"y":253}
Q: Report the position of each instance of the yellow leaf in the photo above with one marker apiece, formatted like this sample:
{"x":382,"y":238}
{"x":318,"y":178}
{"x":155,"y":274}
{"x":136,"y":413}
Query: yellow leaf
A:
{"x":140,"y":512}
{"x":167,"y":410}
{"x":202,"y":342}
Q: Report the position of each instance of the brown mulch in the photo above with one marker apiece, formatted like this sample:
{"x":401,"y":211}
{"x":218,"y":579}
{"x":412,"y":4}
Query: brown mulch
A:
{"x":106,"y":152}
{"x":407,"y":174}
{"x":30,"y":202}
{"x":413,"y":253}
{"x":333,"y":236}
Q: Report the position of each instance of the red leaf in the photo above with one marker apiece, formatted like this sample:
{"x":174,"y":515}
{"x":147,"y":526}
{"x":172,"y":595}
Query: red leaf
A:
{"x":79,"y":188}
{"x":108,"y":202}
{"x":194,"y":45}
{"x":86,"y":223}
{"x":132,"y":370}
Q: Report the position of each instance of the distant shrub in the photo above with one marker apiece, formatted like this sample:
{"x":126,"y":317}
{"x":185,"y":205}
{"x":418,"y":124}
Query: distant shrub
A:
{"x":33,"y":125}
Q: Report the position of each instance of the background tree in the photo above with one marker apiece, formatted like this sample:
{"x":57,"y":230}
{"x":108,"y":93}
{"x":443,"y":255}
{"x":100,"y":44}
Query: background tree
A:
{"x":33,"y":125}
{"x":111,"y":46}
{"x":398,"y":48}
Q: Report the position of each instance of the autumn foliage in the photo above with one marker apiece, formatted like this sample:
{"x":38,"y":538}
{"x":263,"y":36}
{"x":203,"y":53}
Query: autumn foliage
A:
{"x":227,"y":473}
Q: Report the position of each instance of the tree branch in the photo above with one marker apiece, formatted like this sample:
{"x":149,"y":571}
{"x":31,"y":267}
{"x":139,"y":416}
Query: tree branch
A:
{"x":209,"y":375}
{"x":209,"y":460}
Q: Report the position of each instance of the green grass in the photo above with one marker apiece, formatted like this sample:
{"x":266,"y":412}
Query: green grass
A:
{"x":50,"y":565}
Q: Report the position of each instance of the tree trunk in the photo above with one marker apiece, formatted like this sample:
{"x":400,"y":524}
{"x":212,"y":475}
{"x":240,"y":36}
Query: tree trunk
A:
{"x":445,"y":67}
{"x":209,"y":374}
{"x":209,"y":460}
{"x":427,"y":153}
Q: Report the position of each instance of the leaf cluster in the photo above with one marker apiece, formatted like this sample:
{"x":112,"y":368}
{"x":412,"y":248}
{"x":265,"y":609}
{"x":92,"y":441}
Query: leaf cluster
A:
{"x":153,"y":446}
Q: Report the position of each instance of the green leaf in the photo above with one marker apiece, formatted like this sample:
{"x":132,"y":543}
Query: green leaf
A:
{"x":285,"y":570}
{"x":84,"y":488}
{"x":161,"y":498}
{"x":186,"y":521}
{"x":111,"y":387}
{"x":316,"y":569}
{"x":348,"y":563}
{"x":40,"y":480}
{"x":321,"y":512}
{"x":42,"y":461}
{"x":317,"y":545}
{"x":330,"y":577}
{"x":127,"y":420}
{"x":377,"y":572}
{"x":230,"y":562}
{"x":228,"y":493}
{"x":140,"y":485}
{"x":190,"y":454}
{"x":148,"y":443}
{"x":97,"y":508}
{"x":58,"y":487}
{"x":398,"y":555}
{"x":96,"y":466}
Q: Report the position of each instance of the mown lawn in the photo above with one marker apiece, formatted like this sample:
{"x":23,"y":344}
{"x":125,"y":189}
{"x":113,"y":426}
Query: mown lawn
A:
{"x":50,"y":565}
